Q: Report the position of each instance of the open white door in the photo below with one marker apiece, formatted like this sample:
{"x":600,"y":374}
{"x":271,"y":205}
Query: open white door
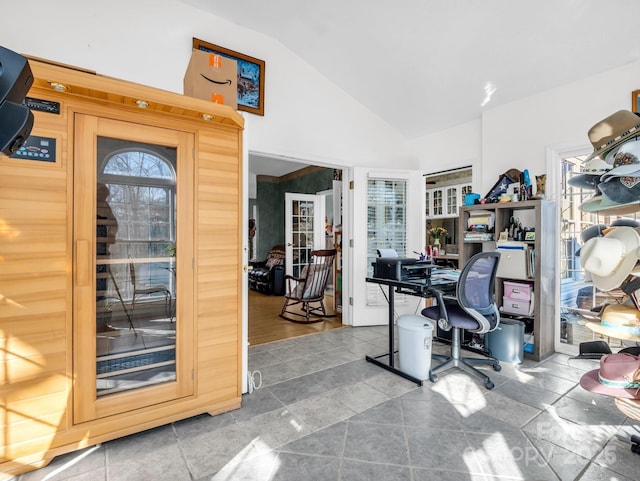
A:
{"x":304,"y":229}
{"x":388,"y":211}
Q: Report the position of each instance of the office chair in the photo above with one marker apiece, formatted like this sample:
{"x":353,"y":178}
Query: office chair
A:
{"x":473,"y":309}
{"x":309,"y":289}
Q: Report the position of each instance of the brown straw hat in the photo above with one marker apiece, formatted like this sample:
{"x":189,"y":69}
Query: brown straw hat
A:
{"x":612,"y":131}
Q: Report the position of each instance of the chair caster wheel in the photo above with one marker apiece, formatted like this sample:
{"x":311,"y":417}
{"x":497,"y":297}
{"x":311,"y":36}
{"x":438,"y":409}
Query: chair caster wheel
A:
{"x":489,"y":385}
{"x":497,"y":367}
{"x":433,"y":377}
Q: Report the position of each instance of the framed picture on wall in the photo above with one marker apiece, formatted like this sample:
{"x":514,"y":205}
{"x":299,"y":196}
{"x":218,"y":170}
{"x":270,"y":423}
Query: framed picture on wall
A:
{"x":635,"y":101}
{"x":250,"y":76}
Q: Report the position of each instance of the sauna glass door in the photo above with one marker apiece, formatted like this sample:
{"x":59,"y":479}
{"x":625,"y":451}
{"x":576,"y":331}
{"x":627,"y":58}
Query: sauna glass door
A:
{"x":132,"y":324}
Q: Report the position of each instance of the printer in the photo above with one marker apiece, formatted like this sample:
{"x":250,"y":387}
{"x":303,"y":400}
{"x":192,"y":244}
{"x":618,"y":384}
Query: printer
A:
{"x":390,"y":266}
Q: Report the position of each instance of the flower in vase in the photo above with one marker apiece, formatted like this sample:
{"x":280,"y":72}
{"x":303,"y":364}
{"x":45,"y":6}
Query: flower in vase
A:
{"x":437,"y":232}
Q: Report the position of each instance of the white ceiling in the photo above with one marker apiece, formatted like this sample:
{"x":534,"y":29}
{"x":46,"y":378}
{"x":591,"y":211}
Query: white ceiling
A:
{"x":427,"y":65}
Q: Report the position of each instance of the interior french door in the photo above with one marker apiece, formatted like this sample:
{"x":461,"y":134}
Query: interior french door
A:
{"x":133,"y":278}
{"x":304,"y":229}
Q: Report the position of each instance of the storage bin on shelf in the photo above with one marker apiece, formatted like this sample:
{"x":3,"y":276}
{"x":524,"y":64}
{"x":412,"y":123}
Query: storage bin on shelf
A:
{"x":517,"y":298}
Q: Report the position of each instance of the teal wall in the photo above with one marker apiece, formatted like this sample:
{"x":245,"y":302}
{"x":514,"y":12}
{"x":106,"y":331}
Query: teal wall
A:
{"x":270,"y":201}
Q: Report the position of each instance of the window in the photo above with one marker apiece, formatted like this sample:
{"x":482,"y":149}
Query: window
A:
{"x":578,"y":295}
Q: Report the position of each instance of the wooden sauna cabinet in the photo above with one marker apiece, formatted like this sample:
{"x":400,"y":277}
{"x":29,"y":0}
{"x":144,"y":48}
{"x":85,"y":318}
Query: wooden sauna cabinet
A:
{"x":51,"y":363}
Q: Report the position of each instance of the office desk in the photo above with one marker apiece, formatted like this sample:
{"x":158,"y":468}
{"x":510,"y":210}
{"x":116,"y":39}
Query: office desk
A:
{"x":439,"y":278}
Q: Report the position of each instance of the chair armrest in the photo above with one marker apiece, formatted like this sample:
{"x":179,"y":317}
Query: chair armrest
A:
{"x":441,"y":297}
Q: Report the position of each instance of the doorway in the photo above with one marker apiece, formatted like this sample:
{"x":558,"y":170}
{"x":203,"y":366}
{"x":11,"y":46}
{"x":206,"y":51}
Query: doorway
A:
{"x":270,"y":178}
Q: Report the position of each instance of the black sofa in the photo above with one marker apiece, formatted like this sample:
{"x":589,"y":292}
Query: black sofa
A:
{"x":267,"y":276}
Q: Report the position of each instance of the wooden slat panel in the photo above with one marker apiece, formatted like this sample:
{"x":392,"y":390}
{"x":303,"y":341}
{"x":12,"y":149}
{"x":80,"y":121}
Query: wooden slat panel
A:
{"x":28,"y":368}
{"x":32,"y":388}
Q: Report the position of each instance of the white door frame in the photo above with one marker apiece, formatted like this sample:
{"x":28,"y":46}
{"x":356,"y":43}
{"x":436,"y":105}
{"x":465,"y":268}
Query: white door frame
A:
{"x":355,"y":239}
{"x":554,"y":156}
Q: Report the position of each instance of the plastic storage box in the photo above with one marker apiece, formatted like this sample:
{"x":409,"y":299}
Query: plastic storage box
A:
{"x":518,"y":291}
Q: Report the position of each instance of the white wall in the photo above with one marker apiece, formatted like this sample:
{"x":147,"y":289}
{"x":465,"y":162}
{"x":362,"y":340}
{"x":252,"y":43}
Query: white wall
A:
{"x":518,"y":134}
{"x":306,"y":115}
{"x":149,"y":42}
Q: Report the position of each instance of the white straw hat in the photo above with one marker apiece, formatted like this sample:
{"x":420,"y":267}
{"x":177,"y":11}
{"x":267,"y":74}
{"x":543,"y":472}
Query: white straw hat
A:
{"x":610,"y":259}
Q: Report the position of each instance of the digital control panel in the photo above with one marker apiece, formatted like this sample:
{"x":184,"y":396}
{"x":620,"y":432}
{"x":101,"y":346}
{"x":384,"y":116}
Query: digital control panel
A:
{"x":42,"y":149}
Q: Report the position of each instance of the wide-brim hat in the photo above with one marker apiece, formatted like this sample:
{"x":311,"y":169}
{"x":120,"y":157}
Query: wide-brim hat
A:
{"x":600,"y":203}
{"x":612,"y":131}
{"x":621,"y":190}
{"x":589,"y":233}
{"x":590,"y":176}
{"x":620,"y":321}
{"x":584,"y":181}
{"x":625,"y":160}
{"x":625,"y":222}
{"x":617,"y":376}
{"x":611,"y":258}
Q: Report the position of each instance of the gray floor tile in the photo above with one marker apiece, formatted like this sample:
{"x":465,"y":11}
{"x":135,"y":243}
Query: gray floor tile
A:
{"x":246,"y":468}
{"x":379,"y":443}
{"x":325,"y":413}
{"x":203,"y":423}
{"x":509,"y":410}
{"x":295,"y":467}
{"x":325,"y":442}
{"x":275,"y":428}
{"x":527,"y":394}
{"x":318,"y":412}
{"x":76,"y":465}
{"x":599,"y":473}
{"x":359,"y":397}
{"x":164,"y":463}
{"x":424,"y":414}
{"x":441,"y":449}
{"x":585,"y":413}
{"x":509,"y":454}
{"x":389,"y":412}
{"x":618,"y":457}
{"x":209,"y":452}
{"x":420,"y":474}
{"x":390,"y":384}
{"x":584,"y":440}
{"x":564,"y":463}
{"x":362,"y":471}
{"x":141,"y":444}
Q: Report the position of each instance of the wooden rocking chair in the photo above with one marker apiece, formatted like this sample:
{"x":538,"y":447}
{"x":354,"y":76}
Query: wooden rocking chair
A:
{"x":309,"y":289}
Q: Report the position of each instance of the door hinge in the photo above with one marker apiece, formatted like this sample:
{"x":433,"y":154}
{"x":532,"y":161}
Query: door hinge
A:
{"x":351,"y":301}
{"x":351,"y":185}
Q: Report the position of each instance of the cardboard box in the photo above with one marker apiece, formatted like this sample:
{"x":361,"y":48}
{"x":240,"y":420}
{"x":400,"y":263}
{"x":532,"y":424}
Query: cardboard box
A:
{"x":212,"y":77}
{"x":514,"y":257}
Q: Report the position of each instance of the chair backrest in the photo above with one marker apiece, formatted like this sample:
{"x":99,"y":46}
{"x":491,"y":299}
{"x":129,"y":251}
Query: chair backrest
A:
{"x":475,"y":290}
{"x":316,"y":274}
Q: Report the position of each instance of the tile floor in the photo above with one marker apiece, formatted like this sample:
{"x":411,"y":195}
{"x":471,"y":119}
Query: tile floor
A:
{"x":324,"y":413}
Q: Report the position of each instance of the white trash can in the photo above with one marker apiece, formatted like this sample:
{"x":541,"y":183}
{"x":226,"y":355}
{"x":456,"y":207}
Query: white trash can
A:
{"x":415,"y":334}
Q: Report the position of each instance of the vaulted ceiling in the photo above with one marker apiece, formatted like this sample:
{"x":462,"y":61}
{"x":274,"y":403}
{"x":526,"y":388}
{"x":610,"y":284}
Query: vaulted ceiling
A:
{"x":426,"y":65}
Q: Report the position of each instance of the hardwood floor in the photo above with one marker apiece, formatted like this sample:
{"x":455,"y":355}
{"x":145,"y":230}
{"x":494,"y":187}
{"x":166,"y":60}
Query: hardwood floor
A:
{"x":266,"y":326}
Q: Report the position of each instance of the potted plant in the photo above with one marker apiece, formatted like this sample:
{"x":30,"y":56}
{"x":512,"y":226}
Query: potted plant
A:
{"x":436,"y":233}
